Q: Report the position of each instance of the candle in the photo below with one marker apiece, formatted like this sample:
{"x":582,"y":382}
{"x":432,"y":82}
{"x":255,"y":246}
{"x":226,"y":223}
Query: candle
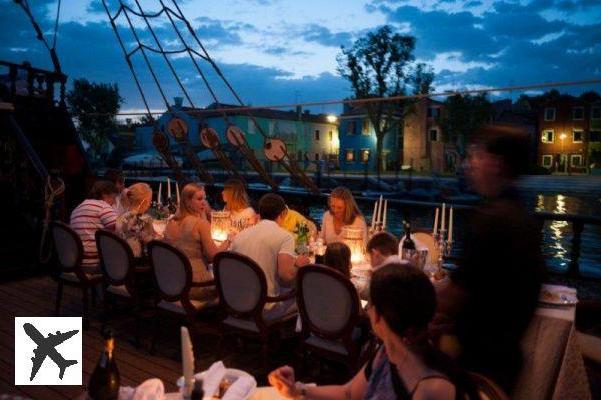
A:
{"x":385,"y":210}
{"x":177,"y":192}
{"x":451,"y":224}
{"x":443,"y":224}
{"x":159,"y":200}
{"x":435,"y":229}
{"x":373,"y":217}
{"x":168,"y":188}
{"x":381,"y":203}
{"x":187,"y":360}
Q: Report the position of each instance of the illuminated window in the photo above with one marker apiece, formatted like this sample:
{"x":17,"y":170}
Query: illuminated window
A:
{"x":350,"y":155}
{"x":547,"y":160}
{"x":550,"y":114}
{"x":548,"y":136}
{"x":364,"y":155}
{"x":576,"y":160}
{"x":366,"y":126}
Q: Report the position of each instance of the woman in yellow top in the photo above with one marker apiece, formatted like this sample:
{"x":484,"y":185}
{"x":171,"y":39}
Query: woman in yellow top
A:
{"x":237,"y":203}
{"x":343,"y":211}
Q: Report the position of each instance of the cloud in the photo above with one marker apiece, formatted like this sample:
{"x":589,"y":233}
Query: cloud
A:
{"x":281,"y":50}
{"x":322,"y":35}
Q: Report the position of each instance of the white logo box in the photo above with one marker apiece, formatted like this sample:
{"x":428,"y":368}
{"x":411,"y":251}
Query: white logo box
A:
{"x":56,"y":345}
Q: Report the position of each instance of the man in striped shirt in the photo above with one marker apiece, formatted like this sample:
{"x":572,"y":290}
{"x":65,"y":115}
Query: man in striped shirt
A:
{"x":96,"y":212}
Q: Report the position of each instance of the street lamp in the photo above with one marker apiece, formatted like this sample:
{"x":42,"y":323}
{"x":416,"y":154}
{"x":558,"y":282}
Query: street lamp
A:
{"x":562,"y":137}
{"x":331,"y":118}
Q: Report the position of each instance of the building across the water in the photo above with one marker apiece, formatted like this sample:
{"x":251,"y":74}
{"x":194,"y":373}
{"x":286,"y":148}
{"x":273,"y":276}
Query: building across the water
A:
{"x":310,"y":138}
{"x":570,"y":135}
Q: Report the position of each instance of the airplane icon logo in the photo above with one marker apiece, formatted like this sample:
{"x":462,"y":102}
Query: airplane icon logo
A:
{"x":48,"y":350}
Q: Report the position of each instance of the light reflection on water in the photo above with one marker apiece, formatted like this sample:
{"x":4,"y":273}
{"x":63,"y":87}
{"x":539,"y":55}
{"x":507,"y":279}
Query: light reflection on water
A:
{"x":556,"y":235}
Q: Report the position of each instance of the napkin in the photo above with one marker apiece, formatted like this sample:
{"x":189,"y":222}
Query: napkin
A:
{"x":150,"y":389}
{"x":212,"y":378}
{"x":240,"y":388}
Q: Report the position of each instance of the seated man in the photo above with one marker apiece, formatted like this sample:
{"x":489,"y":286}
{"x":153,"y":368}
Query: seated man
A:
{"x":272,"y":248}
{"x":382,"y":249}
{"x":94,"y":213}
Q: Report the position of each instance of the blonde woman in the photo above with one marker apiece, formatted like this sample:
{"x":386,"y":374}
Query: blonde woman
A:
{"x":238,"y":204}
{"x":343,"y":211}
{"x":135,"y":226}
{"x":190,"y":232}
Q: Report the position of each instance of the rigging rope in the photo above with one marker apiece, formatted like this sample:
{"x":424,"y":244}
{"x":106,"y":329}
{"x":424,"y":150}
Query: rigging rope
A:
{"x":50,"y":194}
{"x":58,"y":12}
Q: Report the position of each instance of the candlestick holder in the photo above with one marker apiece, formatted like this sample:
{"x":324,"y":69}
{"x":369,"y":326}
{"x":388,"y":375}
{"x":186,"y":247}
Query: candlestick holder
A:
{"x":443,"y":249}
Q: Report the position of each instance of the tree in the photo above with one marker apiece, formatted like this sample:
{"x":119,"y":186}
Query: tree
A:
{"x":380,"y":64}
{"x":95,"y":106}
{"x":463,"y":116}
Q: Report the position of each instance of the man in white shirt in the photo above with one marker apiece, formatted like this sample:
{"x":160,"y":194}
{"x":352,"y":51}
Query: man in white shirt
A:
{"x":382,"y":249}
{"x":272,"y":248}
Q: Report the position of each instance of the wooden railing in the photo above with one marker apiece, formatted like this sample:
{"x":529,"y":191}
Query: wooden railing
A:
{"x":38,"y":82}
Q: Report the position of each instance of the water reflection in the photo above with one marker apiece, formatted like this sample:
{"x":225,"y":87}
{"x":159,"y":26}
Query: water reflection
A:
{"x":558,"y":229}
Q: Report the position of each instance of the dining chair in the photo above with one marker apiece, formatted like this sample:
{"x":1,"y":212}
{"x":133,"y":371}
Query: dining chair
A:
{"x":121,"y":276}
{"x":69,"y":251}
{"x":332,"y":323}
{"x":172,"y":276}
{"x":242,"y":289}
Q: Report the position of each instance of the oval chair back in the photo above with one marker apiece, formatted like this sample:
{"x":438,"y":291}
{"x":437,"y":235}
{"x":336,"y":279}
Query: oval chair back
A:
{"x":328,"y":303}
{"x":116,"y":257}
{"x":171,"y":270}
{"x":241,"y":284}
{"x":69,"y":248}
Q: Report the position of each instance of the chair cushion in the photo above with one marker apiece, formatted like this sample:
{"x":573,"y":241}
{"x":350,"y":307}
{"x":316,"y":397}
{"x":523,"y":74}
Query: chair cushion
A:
{"x":120,"y":290}
{"x":250,"y":325}
{"x":177,"y":307}
{"x":70,"y":276}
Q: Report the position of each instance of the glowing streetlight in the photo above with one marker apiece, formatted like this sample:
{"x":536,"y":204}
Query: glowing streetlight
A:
{"x":563,"y":136}
{"x":331,"y":118}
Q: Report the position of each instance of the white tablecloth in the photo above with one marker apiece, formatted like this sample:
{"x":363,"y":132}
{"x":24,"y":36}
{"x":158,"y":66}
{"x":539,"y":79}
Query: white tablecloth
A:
{"x":553,"y":365}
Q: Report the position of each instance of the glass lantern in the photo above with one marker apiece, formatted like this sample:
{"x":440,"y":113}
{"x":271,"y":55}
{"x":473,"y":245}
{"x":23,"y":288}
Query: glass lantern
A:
{"x":353,"y":238}
{"x":220,"y":225}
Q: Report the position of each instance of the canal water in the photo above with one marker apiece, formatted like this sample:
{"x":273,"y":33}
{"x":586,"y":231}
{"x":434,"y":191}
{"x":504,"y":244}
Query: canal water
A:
{"x":557,"y":235}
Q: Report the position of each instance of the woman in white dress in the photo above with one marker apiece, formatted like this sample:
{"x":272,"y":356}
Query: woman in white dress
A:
{"x":134,"y":225}
{"x":237,"y":203}
{"x":343,"y":211}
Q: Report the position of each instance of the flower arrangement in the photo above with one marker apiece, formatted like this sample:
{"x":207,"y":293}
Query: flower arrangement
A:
{"x":301,"y":230}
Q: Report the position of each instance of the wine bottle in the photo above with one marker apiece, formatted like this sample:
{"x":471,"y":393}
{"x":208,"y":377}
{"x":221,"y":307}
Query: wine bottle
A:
{"x":104,"y":382}
{"x":408,"y":248}
{"x":197,"y":393}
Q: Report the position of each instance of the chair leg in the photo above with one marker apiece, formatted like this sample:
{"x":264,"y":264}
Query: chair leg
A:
{"x":86,"y":316}
{"x":59,"y":297}
{"x":264,"y":352}
{"x":155,"y":333}
{"x":93,"y":289}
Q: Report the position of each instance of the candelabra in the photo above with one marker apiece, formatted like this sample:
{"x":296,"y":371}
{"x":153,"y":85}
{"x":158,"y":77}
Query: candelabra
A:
{"x":444,"y":246}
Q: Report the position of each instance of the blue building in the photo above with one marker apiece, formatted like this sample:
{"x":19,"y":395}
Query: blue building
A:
{"x":358,"y":142}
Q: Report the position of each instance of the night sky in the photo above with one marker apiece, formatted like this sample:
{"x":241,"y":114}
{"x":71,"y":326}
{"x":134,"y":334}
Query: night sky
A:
{"x":284,"y":51}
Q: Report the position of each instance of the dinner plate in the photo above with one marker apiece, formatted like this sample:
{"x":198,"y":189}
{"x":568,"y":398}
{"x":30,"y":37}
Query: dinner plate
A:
{"x":231,"y":374}
{"x":558,"y":295}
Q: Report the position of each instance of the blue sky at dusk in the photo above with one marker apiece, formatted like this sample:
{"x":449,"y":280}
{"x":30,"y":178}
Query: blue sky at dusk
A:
{"x":284,"y":51}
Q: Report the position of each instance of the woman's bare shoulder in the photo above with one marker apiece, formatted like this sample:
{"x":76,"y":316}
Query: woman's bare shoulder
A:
{"x":435,"y":388}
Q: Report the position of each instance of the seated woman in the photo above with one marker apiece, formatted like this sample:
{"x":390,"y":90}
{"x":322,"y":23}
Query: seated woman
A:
{"x":406,"y":366}
{"x":338,"y":257}
{"x":237,"y":203}
{"x":190,"y":232}
{"x":135,"y":226}
{"x":343,"y":212}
